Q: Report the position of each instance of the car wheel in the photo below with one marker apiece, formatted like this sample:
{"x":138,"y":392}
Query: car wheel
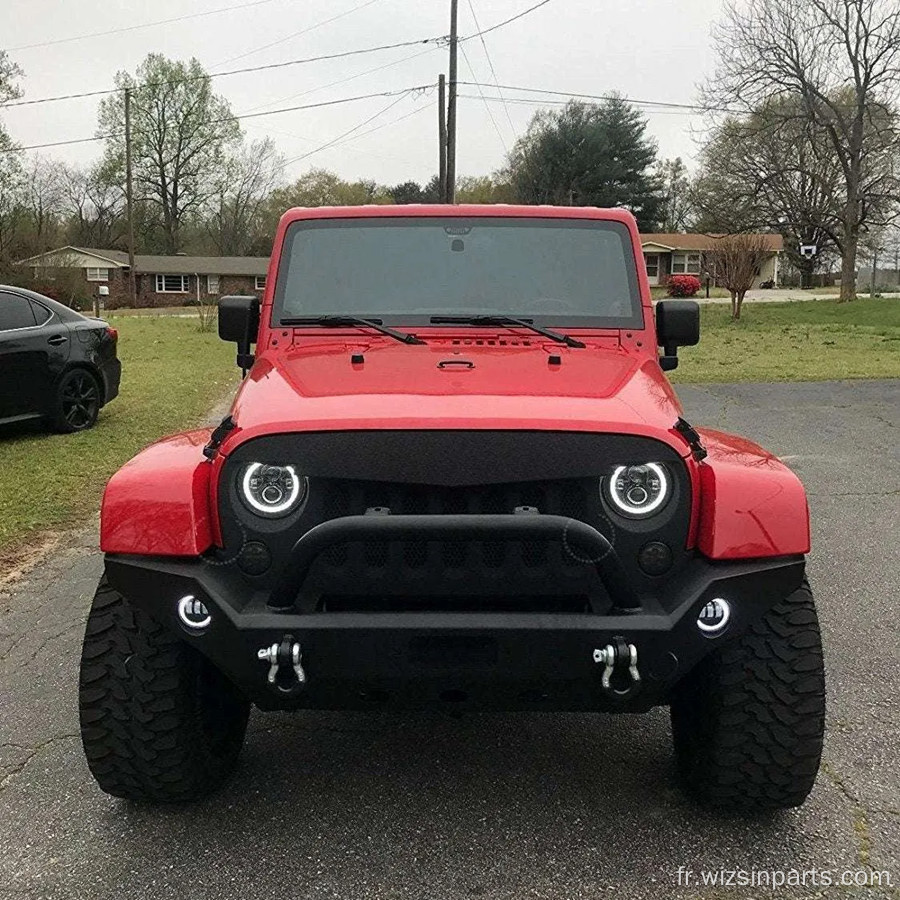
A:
{"x":748,"y":722}
{"x":78,"y":401}
{"x":158,"y":721}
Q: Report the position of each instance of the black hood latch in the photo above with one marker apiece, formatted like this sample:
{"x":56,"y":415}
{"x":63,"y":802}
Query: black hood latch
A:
{"x":219,"y":434}
{"x":689,"y":433}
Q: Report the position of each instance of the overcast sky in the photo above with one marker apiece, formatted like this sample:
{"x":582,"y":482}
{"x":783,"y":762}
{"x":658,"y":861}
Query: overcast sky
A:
{"x":655,"y":50}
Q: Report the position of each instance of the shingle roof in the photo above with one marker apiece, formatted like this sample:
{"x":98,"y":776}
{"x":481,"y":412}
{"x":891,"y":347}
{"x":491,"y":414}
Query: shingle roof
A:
{"x":145,"y":264}
{"x":775,"y":242}
{"x":118,"y":256}
{"x":200,"y":265}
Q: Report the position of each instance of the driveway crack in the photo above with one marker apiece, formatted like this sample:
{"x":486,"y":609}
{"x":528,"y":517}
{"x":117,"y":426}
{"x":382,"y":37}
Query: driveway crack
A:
{"x":32,"y":752}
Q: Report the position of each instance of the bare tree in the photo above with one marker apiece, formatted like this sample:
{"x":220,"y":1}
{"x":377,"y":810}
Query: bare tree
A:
{"x":181,"y":132}
{"x":841,"y":60}
{"x":773,"y":171}
{"x":236,"y":207}
{"x":737,"y":260}
{"x":678,"y":206}
{"x":42,"y":193}
{"x":94,"y":207}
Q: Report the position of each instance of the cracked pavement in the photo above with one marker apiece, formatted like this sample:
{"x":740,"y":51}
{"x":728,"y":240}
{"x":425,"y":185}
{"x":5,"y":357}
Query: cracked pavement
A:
{"x":362,"y":805}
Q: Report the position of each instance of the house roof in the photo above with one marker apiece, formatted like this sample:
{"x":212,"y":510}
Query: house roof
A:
{"x":696,"y":242}
{"x":201,"y":265}
{"x":152,"y":265}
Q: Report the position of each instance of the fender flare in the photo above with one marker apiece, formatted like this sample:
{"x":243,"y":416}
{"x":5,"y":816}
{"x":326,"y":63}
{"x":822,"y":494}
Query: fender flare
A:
{"x":751,"y":504}
{"x":158,"y":503}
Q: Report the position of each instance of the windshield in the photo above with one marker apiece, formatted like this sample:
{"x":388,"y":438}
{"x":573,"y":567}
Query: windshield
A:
{"x":406,"y":270}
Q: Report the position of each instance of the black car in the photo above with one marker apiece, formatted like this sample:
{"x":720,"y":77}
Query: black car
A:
{"x":55,"y":364}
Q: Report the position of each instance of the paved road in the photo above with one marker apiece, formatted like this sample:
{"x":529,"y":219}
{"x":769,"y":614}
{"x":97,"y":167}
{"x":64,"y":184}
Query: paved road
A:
{"x":488,"y":806}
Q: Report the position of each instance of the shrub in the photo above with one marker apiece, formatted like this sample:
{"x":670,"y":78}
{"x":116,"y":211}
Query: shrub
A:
{"x":683,"y":285}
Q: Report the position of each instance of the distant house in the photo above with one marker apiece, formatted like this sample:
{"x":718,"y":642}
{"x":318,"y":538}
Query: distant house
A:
{"x":687,"y":254}
{"x":160,"y":280}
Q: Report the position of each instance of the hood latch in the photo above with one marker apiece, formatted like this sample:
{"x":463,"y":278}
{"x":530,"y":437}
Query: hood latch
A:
{"x":689,"y":433}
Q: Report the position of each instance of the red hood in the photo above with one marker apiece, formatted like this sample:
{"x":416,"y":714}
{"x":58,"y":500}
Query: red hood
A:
{"x":313,"y":385}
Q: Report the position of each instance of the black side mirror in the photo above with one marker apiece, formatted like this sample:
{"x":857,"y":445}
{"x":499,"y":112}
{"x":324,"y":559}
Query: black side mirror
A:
{"x":239,"y":322}
{"x":677,"y":325}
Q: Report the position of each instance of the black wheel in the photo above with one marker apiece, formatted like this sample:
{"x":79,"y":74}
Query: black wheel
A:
{"x":158,"y":722}
{"x":77,"y":402}
{"x":749,"y":721}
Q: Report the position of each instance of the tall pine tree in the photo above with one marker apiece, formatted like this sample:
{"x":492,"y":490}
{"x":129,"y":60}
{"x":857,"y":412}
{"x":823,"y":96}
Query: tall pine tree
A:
{"x":589,"y":154}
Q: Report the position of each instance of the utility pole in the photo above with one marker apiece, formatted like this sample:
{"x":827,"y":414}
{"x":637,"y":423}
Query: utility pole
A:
{"x":451,"y":106}
{"x":442,"y":137}
{"x":129,"y":200}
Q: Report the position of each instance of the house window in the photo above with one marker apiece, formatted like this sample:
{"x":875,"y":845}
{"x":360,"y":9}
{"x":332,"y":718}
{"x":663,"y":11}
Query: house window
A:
{"x":685,"y":263}
{"x":171,"y":284}
{"x":651,"y":260}
{"x":94,"y":274}
{"x":260,"y":282}
{"x":212,"y":284}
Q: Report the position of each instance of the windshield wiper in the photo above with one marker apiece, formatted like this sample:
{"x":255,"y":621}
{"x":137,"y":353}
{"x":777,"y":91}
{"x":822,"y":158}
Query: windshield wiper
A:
{"x":566,"y":339}
{"x":341,"y":321}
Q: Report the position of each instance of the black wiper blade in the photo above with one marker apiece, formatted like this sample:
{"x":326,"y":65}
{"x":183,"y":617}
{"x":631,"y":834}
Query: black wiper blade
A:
{"x":341,"y":321}
{"x":566,"y":339}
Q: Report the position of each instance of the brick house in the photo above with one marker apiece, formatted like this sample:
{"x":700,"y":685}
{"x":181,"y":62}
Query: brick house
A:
{"x":685,"y":254}
{"x":160,"y":280}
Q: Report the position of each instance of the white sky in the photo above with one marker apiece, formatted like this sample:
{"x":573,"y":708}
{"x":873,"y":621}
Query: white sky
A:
{"x":646,"y":49}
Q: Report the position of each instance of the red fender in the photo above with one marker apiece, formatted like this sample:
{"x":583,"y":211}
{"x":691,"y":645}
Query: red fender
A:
{"x":158,"y":503}
{"x":751,"y":503}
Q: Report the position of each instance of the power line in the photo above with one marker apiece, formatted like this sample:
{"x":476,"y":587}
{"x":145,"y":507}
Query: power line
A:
{"x":331,"y":84}
{"x":692,"y":107}
{"x":512,"y":127}
{"x":252,"y":115}
{"x":290,"y":37}
{"x":279,"y":65}
{"x":345,"y":134}
{"x":520,"y":15}
{"x":531,"y":101}
{"x":207,"y":76}
{"x":84,"y":37}
{"x":485,"y":100}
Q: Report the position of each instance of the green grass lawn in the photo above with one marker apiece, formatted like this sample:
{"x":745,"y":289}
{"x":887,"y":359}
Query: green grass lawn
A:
{"x":810,"y":340}
{"x":172,"y":375}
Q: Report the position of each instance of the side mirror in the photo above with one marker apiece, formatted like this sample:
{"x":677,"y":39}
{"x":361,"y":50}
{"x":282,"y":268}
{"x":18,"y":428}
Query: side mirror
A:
{"x":677,"y":325}
{"x":239,"y":322}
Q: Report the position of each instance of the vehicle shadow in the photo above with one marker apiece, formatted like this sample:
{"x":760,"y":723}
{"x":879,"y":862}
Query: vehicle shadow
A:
{"x":485,"y":803}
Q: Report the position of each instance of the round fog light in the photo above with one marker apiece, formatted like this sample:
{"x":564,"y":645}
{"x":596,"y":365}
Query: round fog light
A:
{"x":193,"y":612}
{"x":714,"y":616}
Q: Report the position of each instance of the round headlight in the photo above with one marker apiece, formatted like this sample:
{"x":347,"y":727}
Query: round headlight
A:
{"x":272,"y":490}
{"x":639,"y":491}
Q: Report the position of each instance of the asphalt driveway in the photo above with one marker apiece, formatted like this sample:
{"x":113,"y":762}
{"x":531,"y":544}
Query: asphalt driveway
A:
{"x":496,"y":806}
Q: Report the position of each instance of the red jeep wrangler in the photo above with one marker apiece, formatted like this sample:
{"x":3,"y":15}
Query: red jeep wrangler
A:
{"x":455,"y":474}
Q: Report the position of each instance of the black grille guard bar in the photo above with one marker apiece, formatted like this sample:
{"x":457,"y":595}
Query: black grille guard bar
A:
{"x":580,"y":540}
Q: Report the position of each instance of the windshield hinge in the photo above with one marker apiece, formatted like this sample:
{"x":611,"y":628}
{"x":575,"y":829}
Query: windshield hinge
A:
{"x":689,"y":433}
{"x":219,"y":434}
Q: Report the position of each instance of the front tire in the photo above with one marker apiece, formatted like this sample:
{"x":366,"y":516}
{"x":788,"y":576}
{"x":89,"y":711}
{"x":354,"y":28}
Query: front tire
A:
{"x":748,"y":723}
{"x":158,"y":721}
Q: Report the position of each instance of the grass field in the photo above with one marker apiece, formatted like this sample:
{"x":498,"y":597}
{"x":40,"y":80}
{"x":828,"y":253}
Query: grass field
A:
{"x":810,"y":340}
{"x":172,"y":375}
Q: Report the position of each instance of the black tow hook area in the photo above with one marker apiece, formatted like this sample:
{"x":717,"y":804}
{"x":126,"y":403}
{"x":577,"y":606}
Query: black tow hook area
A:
{"x":621,"y":678}
{"x":286,"y":675}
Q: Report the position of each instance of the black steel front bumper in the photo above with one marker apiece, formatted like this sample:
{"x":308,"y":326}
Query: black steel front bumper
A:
{"x":508,"y":660}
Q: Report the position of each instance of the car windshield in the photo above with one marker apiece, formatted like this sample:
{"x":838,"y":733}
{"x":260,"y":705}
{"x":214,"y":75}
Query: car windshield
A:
{"x":407,"y":270}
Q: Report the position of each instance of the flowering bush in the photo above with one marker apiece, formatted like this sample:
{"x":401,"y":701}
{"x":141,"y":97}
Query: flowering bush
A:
{"x":683,"y":285}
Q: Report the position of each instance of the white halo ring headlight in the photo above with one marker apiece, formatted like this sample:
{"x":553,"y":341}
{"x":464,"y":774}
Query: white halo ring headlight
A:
{"x":271,"y":491}
{"x":639,"y":491}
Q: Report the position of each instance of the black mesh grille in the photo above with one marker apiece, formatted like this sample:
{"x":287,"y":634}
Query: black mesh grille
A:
{"x":445,"y":473}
